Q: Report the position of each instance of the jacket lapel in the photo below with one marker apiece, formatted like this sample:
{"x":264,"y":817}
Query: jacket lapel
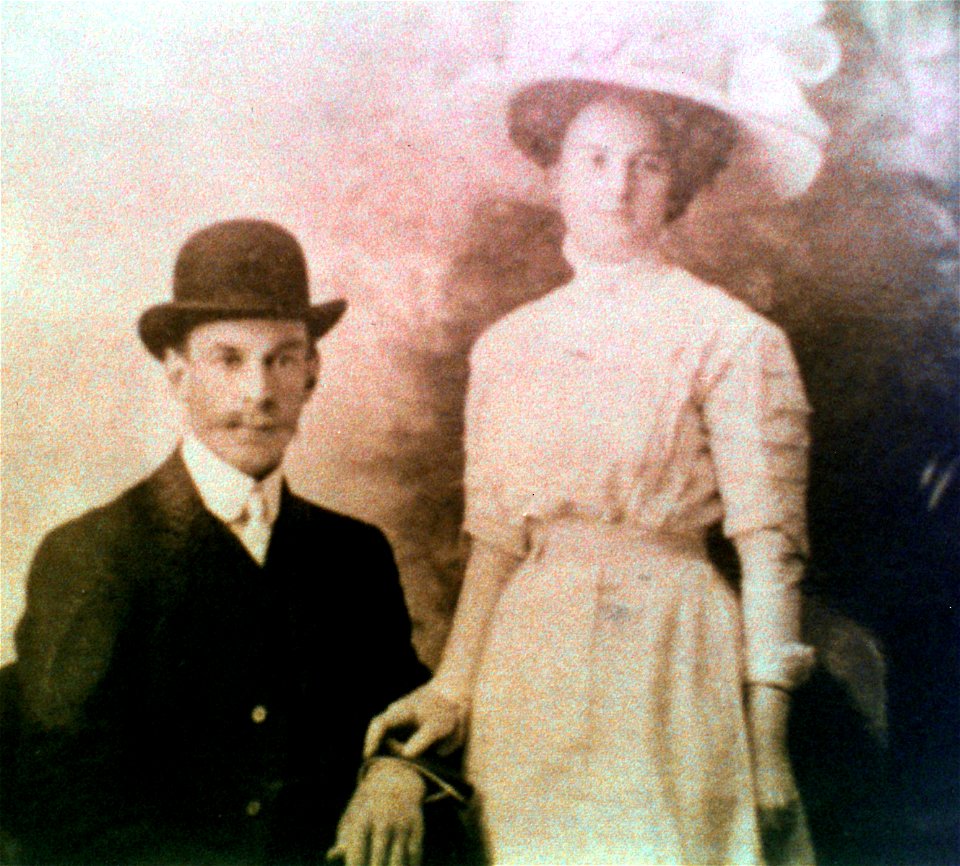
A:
{"x":174,"y":503}
{"x":289,"y":523}
{"x":188,"y":542}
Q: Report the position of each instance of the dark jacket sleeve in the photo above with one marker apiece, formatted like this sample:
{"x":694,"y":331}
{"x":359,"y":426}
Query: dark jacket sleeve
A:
{"x":379,"y":662}
{"x":404,"y":672}
{"x":70,"y":773}
{"x":75,"y":606}
{"x":385,"y":667}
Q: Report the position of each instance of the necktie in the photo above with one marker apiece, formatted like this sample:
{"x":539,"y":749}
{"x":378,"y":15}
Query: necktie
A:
{"x":254,"y":525}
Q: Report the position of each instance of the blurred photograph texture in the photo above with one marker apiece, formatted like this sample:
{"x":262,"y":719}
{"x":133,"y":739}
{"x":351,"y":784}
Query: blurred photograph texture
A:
{"x":377,"y":134}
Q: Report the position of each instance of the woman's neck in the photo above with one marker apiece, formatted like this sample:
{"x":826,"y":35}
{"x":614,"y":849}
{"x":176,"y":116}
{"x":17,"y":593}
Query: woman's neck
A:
{"x":581,"y":256}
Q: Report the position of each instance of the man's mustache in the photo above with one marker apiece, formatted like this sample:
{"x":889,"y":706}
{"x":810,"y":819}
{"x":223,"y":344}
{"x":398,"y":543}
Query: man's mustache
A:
{"x":252,"y":421}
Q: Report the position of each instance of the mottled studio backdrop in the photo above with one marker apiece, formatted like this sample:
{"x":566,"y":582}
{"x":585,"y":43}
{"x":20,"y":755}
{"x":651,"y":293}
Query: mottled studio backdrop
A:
{"x":127,"y":126}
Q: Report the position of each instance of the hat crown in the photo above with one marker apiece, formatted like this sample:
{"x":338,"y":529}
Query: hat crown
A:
{"x":754,"y":54}
{"x":243,"y":264}
{"x":663,"y":35}
{"x":239,"y":269}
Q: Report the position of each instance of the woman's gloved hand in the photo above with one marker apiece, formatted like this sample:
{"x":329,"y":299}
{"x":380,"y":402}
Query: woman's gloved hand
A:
{"x":428,"y":714}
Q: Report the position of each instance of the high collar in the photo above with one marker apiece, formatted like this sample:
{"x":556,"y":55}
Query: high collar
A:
{"x":224,"y":489}
{"x":613,"y":276}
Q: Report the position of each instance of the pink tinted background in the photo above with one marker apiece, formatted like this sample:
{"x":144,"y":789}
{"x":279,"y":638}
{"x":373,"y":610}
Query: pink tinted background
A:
{"x":126,"y":127}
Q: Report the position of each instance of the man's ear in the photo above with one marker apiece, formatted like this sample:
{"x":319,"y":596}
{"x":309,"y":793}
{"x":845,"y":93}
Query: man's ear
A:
{"x":313,"y":371}
{"x":175,"y":367}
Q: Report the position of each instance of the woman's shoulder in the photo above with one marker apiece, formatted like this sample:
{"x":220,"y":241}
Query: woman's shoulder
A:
{"x":715,"y":308}
{"x":527,"y":322}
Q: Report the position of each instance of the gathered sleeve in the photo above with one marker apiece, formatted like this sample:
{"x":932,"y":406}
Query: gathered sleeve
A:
{"x":756,"y":415}
{"x":493,"y":509}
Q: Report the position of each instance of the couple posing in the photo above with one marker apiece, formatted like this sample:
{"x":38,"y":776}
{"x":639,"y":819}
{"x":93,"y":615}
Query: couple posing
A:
{"x":199,"y":660}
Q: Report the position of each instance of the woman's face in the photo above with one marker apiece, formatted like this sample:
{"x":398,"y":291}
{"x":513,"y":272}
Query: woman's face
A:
{"x":612,"y":181}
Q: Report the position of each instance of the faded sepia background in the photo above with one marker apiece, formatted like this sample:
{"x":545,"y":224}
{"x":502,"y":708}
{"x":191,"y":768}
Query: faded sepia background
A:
{"x":127,"y":126}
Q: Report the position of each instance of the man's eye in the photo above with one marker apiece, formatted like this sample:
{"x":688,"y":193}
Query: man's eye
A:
{"x":650,"y":165}
{"x":285,"y":361}
{"x":229,"y":361}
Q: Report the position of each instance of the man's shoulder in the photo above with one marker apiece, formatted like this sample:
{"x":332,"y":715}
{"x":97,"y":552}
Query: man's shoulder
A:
{"x":336,"y":521}
{"x":128,"y":516}
{"x":112,"y":519}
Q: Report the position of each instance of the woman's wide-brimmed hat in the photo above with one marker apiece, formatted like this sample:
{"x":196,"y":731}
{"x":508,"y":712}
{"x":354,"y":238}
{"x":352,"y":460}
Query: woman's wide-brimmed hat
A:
{"x":750,"y":61}
{"x":238,"y":269}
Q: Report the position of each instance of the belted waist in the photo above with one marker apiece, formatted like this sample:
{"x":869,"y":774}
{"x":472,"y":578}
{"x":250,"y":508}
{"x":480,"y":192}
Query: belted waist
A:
{"x":600,"y":541}
{"x":614,"y":570}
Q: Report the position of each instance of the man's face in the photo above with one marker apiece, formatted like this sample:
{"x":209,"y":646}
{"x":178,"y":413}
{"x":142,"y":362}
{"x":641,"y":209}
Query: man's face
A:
{"x":244,"y":383}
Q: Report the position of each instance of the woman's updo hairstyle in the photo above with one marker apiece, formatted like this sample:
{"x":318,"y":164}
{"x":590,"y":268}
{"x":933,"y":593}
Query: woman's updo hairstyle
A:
{"x":697,"y":139}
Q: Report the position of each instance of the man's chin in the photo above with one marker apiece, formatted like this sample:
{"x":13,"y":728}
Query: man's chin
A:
{"x":253,"y":455}
{"x":256,"y":468}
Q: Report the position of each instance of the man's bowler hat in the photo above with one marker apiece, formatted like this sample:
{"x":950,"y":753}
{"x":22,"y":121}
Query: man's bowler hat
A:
{"x":239,"y":269}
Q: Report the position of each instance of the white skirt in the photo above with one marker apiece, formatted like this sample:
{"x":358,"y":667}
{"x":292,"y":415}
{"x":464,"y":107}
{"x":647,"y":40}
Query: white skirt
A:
{"x":608,"y":722}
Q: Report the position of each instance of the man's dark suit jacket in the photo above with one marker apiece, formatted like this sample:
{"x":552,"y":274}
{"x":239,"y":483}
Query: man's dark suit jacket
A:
{"x":183,"y":705}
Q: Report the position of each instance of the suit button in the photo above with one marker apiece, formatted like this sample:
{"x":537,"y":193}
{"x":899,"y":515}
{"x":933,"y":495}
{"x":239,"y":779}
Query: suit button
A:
{"x":253,"y":808}
{"x":259,"y":714}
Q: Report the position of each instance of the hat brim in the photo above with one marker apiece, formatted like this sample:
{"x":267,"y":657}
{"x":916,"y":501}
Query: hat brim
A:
{"x":165,"y":325}
{"x":778,"y":157}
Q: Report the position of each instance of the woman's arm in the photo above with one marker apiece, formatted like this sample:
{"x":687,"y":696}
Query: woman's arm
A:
{"x":437,"y":711}
{"x":770,"y":592}
{"x":756,"y":415}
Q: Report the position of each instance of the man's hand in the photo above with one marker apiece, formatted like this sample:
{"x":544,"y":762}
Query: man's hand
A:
{"x":383,"y":823}
{"x":435,"y":718}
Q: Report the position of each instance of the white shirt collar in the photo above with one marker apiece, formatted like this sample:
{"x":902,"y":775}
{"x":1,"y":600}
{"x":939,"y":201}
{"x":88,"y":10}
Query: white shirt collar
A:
{"x":224,"y":489}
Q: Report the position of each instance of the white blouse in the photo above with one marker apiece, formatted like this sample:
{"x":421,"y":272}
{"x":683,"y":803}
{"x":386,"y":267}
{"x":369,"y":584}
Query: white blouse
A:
{"x":638,"y":394}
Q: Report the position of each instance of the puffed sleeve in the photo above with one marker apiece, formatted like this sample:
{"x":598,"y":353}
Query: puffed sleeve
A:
{"x":756,"y":415}
{"x":491,"y":512}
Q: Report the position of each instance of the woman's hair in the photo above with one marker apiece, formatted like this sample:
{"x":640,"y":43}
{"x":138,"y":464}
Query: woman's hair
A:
{"x":697,"y":139}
